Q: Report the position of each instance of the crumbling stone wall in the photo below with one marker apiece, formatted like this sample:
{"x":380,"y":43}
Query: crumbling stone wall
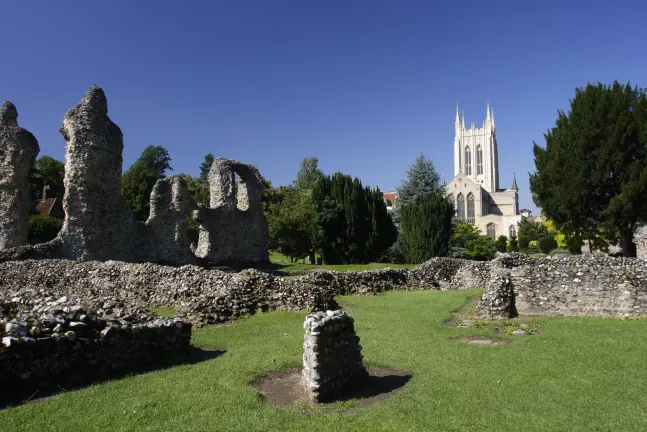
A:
{"x":50,"y":341}
{"x":332,"y":358}
{"x":498,"y":300}
{"x":233,"y":229}
{"x":98,"y":224}
{"x":571,"y":285}
{"x":640,"y":239}
{"x":18,"y":151}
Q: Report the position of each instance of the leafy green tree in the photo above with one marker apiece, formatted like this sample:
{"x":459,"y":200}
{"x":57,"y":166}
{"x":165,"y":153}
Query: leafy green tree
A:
{"x":531,"y":230}
{"x":309,"y":174}
{"x":197,"y":190}
{"x":463,"y":233}
{"x":289,"y":221}
{"x":47,"y":172}
{"x":480,"y":249}
{"x":512,"y":246}
{"x":138,"y":181}
{"x":42,"y":228}
{"x":591,"y":177}
{"x":426,"y":228}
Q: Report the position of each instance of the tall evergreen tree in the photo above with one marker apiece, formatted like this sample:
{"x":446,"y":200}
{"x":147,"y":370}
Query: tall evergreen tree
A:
{"x":138,"y":181}
{"x":426,"y":228}
{"x":591,"y":177}
{"x":205,"y":167}
{"x":352,"y":225}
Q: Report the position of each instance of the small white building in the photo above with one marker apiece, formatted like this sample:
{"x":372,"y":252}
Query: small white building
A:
{"x":475,"y":186}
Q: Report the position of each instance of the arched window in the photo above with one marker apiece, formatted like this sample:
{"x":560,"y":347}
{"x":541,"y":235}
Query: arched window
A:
{"x":479,"y":160}
{"x":460,"y":207}
{"x":491,"y":231}
{"x":470,"y":208}
{"x":468,"y":161}
{"x":512,"y":231}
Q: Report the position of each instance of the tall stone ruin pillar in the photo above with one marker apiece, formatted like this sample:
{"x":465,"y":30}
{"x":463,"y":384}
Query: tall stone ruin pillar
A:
{"x":18,"y":151}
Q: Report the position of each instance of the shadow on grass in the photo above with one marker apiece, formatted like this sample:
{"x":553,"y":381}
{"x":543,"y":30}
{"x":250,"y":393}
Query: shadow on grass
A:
{"x":20,"y":394}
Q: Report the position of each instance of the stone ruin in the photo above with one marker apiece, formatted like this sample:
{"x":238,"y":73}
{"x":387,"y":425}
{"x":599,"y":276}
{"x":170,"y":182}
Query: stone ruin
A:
{"x":98,"y":224}
{"x":332,"y":358}
{"x":640,"y":239}
{"x":233,"y":228}
{"x":18,"y":151}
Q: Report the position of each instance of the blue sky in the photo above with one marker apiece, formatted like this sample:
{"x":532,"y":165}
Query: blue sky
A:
{"x":363,"y":85}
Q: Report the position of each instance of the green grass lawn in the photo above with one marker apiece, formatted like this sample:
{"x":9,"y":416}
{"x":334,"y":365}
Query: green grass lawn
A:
{"x":284,"y":261}
{"x":581,"y":374}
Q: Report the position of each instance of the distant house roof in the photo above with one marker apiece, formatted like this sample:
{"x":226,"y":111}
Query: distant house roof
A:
{"x":391,"y":196}
{"x":45,"y":206}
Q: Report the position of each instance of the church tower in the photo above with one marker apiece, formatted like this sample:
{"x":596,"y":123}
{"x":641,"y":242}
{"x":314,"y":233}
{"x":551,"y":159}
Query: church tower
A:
{"x":475,"y":151}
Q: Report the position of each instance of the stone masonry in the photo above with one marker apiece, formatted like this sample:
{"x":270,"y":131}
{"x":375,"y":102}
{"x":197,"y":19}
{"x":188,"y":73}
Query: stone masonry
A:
{"x":640,"y":239}
{"x":233,"y":230}
{"x":98,"y":224}
{"x":18,"y":151}
{"x":332,"y":359}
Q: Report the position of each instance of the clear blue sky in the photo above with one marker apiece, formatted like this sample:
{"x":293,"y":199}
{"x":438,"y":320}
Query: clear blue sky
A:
{"x":363,"y":85}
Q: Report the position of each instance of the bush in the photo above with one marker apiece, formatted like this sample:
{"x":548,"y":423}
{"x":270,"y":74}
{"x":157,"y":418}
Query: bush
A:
{"x":524,"y":241}
{"x":513,"y":246}
{"x":426,"y":228}
{"x":547,"y":244}
{"x":501,"y":243}
{"x":42,"y":228}
{"x":480,"y":249}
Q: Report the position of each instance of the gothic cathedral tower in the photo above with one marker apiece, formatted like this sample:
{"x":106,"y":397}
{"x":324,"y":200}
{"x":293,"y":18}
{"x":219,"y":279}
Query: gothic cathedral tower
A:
{"x":475,"y":151}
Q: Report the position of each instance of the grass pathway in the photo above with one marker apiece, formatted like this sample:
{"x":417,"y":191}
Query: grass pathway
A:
{"x":581,"y":374}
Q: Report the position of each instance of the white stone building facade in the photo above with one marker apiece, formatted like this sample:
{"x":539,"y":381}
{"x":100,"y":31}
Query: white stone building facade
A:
{"x":475,"y":186}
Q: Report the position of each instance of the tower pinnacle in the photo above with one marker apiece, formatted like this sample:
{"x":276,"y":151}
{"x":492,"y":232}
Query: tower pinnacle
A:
{"x":514,"y":181}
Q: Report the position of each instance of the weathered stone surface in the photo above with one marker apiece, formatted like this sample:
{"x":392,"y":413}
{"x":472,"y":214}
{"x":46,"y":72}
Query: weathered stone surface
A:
{"x":114,"y":337}
{"x":498,"y":300}
{"x":170,"y":206}
{"x":98,"y":224}
{"x":332,"y":358}
{"x":589,"y":284}
{"x":233,"y":228}
{"x":18,"y":151}
{"x":640,"y":239}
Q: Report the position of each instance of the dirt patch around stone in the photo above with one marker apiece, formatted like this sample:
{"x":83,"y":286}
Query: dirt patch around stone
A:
{"x":480,"y":340}
{"x":284,"y":389}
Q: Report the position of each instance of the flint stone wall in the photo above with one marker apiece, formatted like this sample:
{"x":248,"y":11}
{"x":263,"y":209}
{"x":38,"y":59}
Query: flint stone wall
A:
{"x":233,"y":229}
{"x":18,"y":151}
{"x":592,"y":284}
{"x":640,"y":239}
{"x":332,"y":358}
{"x":49,"y":342}
{"x":198,"y":295}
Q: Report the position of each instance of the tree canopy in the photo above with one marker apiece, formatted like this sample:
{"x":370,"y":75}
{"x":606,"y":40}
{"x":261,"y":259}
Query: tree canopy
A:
{"x":47,"y":172}
{"x":138,"y":181}
{"x":205,"y":166}
{"x":426,"y":228}
{"x":309,"y":174}
{"x":591,"y":177}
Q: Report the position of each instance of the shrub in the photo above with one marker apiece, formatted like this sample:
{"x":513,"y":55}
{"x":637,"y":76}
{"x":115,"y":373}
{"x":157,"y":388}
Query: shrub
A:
{"x":524,"y":241}
{"x":513,"y":246}
{"x":480,"y":249}
{"x":547,"y":244}
{"x":501,"y":243}
{"x":426,"y":228}
{"x":42,"y":228}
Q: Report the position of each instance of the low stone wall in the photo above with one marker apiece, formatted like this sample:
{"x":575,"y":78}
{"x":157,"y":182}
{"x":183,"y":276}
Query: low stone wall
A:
{"x":202,"y":296}
{"x":51,"y":343}
{"x":593,"y":284}
{"x":332,"y":359}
